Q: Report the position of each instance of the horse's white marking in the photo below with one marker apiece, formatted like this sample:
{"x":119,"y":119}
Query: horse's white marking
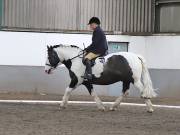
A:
{"x":97,"y":69}
{"x":97,"y":100}
{"x":66,"y":96}
{"x":149,"y":105}
{"x":118,"y":100}
{"x":81,"y":102}
{"x":139,"y":85}
{"x":116,"y":103}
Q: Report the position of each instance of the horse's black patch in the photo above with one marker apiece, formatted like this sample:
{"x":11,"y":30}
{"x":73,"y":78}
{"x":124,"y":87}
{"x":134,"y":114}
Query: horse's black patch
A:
{"x":126,"y":86}
{"x":67,"y":63}
{"x":116,"y":69}
{"x":53,"y":57}
{"x":89,"y":86}
{"x":74,"y":79}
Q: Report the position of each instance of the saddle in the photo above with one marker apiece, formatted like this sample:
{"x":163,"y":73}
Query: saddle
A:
{"x":101,"y":58}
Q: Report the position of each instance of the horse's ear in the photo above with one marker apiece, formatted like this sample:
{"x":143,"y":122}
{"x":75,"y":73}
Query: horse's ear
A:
{"x":48,"y":47}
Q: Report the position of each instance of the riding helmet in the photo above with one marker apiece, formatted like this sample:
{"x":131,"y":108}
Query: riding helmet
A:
{"x":94,"y":20}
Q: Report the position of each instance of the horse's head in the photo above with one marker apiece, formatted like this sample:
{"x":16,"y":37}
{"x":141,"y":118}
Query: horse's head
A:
{"x":61,"y":54}
{"x":52,"y":60}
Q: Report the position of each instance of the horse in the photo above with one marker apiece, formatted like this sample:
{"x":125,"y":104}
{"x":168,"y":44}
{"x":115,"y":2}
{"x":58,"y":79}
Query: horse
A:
{"x":121,"y":66}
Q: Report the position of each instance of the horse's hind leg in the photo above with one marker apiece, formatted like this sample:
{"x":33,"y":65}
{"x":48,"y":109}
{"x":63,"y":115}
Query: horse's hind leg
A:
{"x":148,"y":103}
{"x":126,"y":86}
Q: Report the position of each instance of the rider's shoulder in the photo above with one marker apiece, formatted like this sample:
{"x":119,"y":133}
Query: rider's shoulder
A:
{"x":98,"y":30}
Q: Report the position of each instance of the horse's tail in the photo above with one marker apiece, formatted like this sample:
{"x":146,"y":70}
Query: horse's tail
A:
{"x":148,"y":91}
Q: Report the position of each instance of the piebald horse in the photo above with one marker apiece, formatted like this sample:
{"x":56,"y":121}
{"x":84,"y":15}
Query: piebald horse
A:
{"x":122,"y":66}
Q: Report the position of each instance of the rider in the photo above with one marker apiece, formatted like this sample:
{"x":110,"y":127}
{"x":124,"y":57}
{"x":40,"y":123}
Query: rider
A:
{"x":97,"y":48}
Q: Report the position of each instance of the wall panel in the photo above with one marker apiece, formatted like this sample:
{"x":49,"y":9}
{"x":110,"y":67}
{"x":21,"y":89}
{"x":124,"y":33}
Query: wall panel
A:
{"x":129,"y":16}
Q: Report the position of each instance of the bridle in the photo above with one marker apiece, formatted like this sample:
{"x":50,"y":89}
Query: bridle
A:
{"x":48,"y":65}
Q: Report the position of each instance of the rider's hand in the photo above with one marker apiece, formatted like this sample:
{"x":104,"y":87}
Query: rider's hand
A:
{"x":88,"y":48}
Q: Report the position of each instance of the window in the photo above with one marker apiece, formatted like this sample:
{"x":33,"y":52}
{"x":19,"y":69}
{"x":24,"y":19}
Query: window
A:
{"x":167,"y":16}
{"x":117,"y":47}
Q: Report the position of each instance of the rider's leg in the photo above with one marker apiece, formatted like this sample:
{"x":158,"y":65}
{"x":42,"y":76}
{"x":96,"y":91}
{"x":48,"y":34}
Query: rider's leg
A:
{"x":88,"y":72}
{"x":87,"y":62}
{"x":91,"y":55}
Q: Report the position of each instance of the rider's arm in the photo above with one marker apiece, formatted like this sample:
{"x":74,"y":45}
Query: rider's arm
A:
{"x":95,"y":41}
{"x":96,"y":38}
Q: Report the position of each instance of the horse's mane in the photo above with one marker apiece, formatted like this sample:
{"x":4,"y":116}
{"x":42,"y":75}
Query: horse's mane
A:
{"x":65,"y":46}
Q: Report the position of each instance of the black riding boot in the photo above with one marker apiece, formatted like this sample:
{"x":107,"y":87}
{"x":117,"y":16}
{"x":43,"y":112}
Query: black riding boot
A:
{"x":88,"y":72}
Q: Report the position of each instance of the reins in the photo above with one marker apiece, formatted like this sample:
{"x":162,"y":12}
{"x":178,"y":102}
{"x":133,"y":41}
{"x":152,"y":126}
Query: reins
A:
{"x":78,"y":54}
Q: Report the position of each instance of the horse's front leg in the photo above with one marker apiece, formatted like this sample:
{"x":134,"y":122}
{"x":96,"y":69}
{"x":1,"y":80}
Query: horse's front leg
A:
{"x":66,"y":97}
{"x":73,"y":84}
{"x":97,"y":100}
{"x":94,"y":95}
{"x":149,"y":105}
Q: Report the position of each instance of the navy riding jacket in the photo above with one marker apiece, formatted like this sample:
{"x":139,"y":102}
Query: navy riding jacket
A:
{"x":99,"y":42}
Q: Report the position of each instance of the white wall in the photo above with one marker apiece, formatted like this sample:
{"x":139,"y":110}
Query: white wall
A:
{"x":18,"y":48}
{"x":163,"y":52}
{"x":23,"y":48}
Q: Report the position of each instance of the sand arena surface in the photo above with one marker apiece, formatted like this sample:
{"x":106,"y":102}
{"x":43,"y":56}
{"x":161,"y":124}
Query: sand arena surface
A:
{"x":77,"y":119}
{"x":82,"y":119}
{"x":23,"y":119}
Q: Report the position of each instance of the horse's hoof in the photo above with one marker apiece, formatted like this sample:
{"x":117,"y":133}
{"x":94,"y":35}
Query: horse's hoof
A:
{"x":62,"y":107}
{"x":150,"y":111}
{"x":143,"y":96}
{"x":103,"y":109}
{"x":126,"y":93}
{"x":112,"y":109}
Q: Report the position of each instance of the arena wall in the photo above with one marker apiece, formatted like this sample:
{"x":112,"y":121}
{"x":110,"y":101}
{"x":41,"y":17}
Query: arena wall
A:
{"x":23,"y":56}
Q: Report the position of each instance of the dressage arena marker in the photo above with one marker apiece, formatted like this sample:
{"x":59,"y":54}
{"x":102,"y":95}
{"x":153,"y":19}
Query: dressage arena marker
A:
{"x":80,"y":102}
